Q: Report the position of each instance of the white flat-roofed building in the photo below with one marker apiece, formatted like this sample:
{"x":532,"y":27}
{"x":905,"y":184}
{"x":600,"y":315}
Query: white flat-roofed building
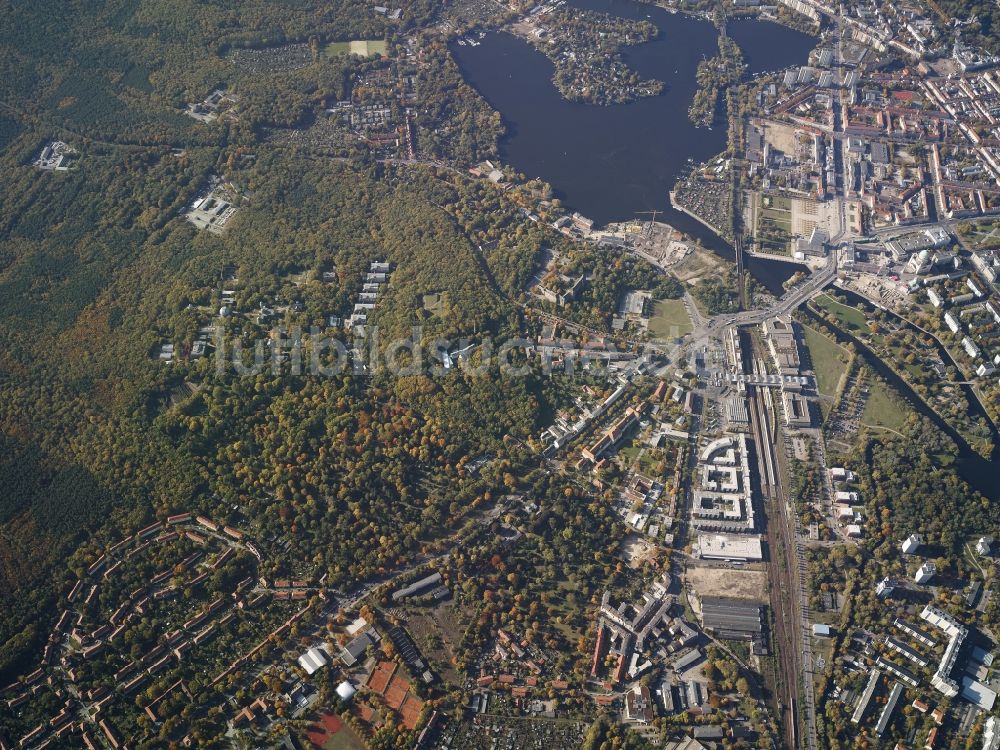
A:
{"x":970,"y":348}
{"x":975,"y":286}
{"x":345,"y":691}
{"x":985,"y":545}
{"x":994,"y":309}
{"x":884,"y":588}
{"x":716,"y":446}
{"x":978,"y":694}
{"x":991,"y":734}
{"x":925,"y":573}
{"x":840,"y":474}
{"x":314,"y":659}
{"x":723,"y":502}
{"x":729,"y":547}
{"x":912,"y":543}
{"x":956,"y":632}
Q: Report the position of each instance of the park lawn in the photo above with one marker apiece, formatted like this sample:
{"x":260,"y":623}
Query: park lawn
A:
{"x":779,"y":210}
{"x":774,"y":225}
{"x":849,"y":316}
{"x":647,"y":464}
{"x":362,"y":47}
{"x":981,"y":235}
{"x":884,"y":408}
{"x":670,"y":319}
{"x":779,"y":219}
{"x":776,"y":204}
{"x":829,"y":360}
{"x":629,"y":453}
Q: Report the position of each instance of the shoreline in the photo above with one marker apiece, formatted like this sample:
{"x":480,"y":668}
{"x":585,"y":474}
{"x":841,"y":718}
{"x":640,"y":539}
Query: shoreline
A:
{"x":696,"y":217}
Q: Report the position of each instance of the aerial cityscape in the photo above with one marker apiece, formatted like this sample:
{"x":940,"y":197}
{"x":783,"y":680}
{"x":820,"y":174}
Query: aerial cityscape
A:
{"x":500,"y":374}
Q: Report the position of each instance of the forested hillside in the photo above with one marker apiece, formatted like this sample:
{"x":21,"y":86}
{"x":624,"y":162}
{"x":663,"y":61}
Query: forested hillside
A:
{"x":111,"y":420}
{"x":98,"y":266}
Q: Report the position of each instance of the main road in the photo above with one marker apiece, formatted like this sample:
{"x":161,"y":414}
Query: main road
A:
{"x":715,"y":327}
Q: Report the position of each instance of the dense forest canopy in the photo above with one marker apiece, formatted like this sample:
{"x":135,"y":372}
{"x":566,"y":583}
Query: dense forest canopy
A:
{"x":99,"y":269}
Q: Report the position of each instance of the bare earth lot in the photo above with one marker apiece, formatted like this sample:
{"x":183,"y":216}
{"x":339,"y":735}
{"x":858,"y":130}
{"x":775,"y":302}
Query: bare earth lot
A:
{"x":736,"y":584}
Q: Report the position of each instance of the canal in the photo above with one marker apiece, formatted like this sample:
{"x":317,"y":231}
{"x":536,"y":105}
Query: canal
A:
{"x":980,"y":473}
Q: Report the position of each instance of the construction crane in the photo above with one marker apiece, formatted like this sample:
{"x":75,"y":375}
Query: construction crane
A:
{"x":648,"y":233}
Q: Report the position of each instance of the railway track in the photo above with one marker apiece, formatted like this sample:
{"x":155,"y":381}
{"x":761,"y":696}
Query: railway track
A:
{"x":784,"y":567}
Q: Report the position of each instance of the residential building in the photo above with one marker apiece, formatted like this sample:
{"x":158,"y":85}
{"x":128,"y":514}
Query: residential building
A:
{"x":918,"y":634}
{"x":985,"y":545}
{"x":970,"y":348}
{"x":925,"y":573}
{"x":890,"y":706}
{"x":991,"y":734}
{"x":884,"y":588}
{"x":912,"y":543}
{"x":956,"y":632}
{"x":904,"y":650}
{"x":861,"y":708}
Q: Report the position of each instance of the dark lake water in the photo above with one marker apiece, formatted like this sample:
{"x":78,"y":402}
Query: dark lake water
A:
{"x":609,"y":163}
